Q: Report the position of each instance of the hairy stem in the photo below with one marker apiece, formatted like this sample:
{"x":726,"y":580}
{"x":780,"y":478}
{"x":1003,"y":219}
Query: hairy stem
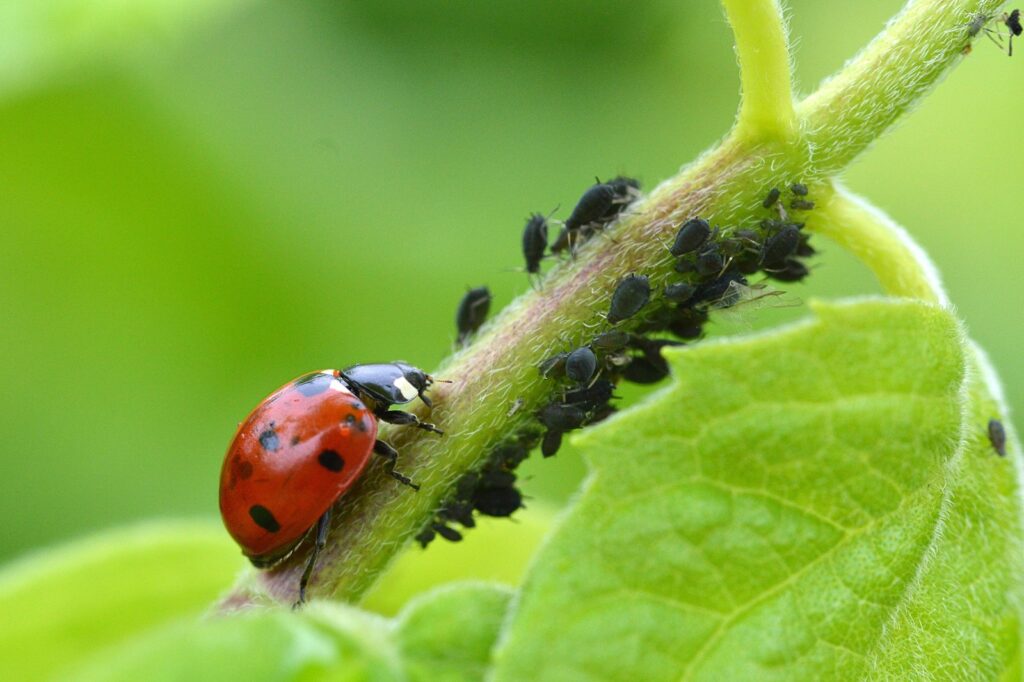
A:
{"x":901,"y":266}
{"x":856,"y":106}
{"x":495,"y":385}
{"x":762,"y":45}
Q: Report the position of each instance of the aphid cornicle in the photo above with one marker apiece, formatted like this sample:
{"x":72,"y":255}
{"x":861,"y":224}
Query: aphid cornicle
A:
{"x":535,"y":241}
{"x":630,"y":296}
{"x":472,"y":312}
{"x":691,"y":236}
{"x":997,"y":436}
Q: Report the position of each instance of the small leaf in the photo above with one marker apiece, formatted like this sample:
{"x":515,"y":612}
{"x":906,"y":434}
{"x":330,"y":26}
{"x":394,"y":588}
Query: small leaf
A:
{"x":321,"y":643}
{"x":447,"y":635}
{"x":62,"y":604}
{"x":816,"y":503}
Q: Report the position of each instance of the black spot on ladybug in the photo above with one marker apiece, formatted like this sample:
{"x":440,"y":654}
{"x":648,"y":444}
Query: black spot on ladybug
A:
{"x":264,"y":519}
{"x":362,"y":426}
{"x":350,"y":419}
{"x":269,"y":440}
{"x":331,"y":460}
{"x":312,"y":384}
{"x":997,"y":436}
{"x":295,"y":440}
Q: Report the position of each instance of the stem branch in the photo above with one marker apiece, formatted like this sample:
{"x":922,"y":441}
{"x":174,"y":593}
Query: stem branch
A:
{"x":762,"y":46}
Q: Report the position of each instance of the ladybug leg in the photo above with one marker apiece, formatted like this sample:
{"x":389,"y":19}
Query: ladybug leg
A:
{"x":400,"y":418}
{"x":391,"y":455}
{"x":321,"y":540}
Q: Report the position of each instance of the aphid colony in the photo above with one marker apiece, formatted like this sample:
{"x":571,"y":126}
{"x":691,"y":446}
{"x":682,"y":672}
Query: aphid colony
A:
{"x":712,"y":265}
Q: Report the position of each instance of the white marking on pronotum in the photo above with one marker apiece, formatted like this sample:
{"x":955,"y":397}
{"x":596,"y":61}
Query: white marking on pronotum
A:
{"x":337,"y":385}
{"x":407,"y":390}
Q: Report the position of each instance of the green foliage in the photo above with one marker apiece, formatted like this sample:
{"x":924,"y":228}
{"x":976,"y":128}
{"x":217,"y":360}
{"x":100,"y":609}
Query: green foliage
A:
{"x":820,"y":502}
{"x":64,"y":604}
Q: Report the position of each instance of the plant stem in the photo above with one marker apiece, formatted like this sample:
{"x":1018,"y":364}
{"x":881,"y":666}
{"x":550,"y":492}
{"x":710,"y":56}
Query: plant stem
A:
{"x":899,"y":264}
{"x":762,"y":45}
{"x":857,"y":105}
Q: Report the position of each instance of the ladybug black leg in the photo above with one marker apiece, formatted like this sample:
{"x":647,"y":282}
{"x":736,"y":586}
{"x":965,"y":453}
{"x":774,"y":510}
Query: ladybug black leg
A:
{"x":400,"y":418}
{"x":391,"y":455}
{"x":321,"y":540}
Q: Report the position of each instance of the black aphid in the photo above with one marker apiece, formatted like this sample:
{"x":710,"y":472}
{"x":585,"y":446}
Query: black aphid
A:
{"x":625,"y":190}
{"x":553,"y":367}
{"x":692,"y":234}
{"x":590,"y":397}
{"x":780,"y":246}
{"x":644,"y":370}
{"x":630,"y":296}
{"x":773,"y":196}
{"x":497,"y":501}
{"x":559,"y":417}
{"x":717,"y":290}
{"x":688,"y":323}
{"x":709,"y":261}
{"x":680,"y":292}
{"x":798,"y":189}
{"x":610,"y":341}
{"x":472,"y":312}
{"x":790,"y":271}
{"x":552,"y":441}
{"x":997,"y":435}
{"x":801,"y":204}
{"x":581,"y":365}
{"x":535,"y":241}
{"x":591,"y":207}
{"x":1012,"y":22}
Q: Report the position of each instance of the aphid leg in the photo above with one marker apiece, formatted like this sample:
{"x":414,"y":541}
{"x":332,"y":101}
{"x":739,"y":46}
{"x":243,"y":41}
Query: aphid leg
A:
{"x":321,"y":541}
{"x":391,"y":455}
{"x":400,"y":418}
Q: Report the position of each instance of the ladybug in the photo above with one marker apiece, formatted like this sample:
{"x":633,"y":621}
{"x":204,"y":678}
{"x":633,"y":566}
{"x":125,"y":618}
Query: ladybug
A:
{"x":305,"y":446}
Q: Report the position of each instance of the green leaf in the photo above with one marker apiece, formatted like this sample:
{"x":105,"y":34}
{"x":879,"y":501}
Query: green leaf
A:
{"x":323,"y":642}
{"x":445,"y":635}
{"x":817,"y":503}
{"x":60,"y":605}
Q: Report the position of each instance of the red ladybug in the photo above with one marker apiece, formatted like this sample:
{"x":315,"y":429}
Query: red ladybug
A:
{"x":303,"y":447}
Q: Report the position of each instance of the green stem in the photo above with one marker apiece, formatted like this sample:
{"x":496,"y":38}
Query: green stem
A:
{"x":762,"y":46}
{"x":856,"y":106}
{"x":899,"y":264}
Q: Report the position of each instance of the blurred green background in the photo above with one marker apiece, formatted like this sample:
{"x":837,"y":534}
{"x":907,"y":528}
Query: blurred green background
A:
{"x":200,"y":200}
